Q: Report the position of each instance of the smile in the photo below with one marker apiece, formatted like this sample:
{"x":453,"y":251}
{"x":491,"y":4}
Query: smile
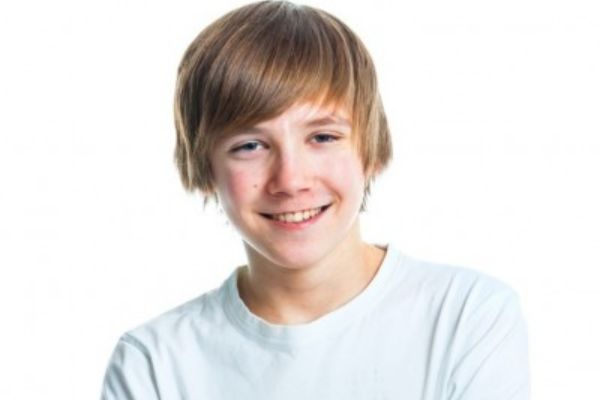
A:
{"x":297,"y":217}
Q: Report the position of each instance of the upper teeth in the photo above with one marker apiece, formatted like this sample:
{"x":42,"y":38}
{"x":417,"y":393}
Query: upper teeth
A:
{"x":297,"y":216}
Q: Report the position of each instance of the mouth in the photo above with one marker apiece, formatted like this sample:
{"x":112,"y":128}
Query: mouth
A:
{"x":297,"y":217}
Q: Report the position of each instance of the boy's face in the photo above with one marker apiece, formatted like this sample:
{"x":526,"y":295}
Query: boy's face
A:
{"x":292,"y":185}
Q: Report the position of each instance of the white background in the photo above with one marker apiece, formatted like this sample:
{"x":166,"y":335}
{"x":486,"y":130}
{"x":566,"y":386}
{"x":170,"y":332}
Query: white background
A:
{"x":494,"y":108}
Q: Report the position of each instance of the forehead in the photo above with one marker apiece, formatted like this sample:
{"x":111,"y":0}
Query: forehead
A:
{"x":311,"y":114}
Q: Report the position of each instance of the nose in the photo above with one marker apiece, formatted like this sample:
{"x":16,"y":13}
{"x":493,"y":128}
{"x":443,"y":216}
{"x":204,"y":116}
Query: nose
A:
{"x":291,"y":174}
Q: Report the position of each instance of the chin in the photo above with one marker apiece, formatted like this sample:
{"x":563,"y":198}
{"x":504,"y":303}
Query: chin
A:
{"x":290,"y":258}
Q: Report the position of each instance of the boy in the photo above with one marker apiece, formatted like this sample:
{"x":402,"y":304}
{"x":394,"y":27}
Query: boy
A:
{"x":279,"y":119}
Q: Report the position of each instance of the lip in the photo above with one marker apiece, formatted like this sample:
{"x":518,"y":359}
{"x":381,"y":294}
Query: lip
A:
{"x":294,"y":226}
{"x":269,"y":214}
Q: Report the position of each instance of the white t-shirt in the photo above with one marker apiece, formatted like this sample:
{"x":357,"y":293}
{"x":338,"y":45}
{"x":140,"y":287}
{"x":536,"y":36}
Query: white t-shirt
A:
{"x":418,"y":331}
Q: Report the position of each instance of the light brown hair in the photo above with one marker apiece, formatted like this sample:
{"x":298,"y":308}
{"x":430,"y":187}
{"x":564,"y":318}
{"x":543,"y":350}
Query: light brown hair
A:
{"x":258,"y":60}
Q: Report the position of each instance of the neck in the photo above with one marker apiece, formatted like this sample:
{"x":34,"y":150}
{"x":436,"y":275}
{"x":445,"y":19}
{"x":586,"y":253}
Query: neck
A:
{"x":282,"y":295}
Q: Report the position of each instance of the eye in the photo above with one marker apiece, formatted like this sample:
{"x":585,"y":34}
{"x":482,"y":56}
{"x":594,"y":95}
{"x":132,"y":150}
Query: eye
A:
{"x":324,"y":138}
{"x":247,"y":147}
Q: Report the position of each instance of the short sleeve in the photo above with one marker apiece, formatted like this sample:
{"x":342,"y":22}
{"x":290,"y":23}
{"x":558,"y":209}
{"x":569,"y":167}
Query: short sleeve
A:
{"x":491,"y":361}
{"x":130,"y":374}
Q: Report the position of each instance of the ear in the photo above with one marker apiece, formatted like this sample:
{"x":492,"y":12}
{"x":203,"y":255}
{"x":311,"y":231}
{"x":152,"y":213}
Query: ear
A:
{"x":373,"y":171}
{"x":209,"y":196}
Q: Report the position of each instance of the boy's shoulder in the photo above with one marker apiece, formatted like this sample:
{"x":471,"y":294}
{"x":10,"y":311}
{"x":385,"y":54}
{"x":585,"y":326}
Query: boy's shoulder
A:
{"x":437,"y":275}
{"x":448,"y":283}
{"x":202,"y":313}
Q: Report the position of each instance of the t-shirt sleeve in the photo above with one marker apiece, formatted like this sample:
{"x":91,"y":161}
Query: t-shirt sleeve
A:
{"x":491,"y":361}
{"x":130,"y":374}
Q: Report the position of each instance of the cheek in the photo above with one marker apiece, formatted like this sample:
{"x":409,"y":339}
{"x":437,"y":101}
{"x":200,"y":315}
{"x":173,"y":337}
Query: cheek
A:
{"x":345,"y":170}
{"x":236,"y":185}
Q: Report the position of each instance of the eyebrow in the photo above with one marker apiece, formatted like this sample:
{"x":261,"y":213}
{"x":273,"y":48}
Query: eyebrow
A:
{"x":327,"y":120}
